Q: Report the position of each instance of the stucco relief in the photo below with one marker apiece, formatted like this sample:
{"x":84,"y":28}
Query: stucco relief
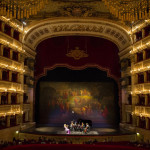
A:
{"x":107,"y":31}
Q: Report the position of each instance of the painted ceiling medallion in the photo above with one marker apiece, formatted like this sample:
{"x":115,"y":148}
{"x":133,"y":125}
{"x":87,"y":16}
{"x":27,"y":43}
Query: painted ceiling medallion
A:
{"x":77,"y":53}
{"x":78,"y":11}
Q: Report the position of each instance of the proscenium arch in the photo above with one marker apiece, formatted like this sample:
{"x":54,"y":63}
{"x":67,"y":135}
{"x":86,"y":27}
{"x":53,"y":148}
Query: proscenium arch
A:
{"x":107,"y":29}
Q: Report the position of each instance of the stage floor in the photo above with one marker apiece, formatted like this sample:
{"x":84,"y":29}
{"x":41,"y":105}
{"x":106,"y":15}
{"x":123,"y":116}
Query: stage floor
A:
{"x":61,"y":131}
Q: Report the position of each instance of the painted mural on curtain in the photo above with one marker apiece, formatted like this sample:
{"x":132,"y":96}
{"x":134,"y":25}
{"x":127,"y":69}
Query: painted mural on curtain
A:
{"x":62,"y":102}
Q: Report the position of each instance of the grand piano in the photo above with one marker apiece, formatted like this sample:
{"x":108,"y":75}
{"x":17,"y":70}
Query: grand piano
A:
{"x":85,"y":121}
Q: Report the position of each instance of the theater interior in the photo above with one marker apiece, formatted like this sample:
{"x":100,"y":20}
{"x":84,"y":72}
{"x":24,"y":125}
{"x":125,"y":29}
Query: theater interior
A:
{"x":74,"y":74}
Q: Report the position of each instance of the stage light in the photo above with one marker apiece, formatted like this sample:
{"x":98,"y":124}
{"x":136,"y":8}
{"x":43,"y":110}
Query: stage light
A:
{"x":138,"y":134}
{"x":17,"y":132}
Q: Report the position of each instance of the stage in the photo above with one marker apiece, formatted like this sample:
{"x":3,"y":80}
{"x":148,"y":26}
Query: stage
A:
{"x":58,"y":133}
{"x":61,"y":131}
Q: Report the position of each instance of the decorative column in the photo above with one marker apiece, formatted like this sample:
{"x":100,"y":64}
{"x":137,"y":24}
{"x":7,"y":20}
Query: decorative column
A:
{"x":144,"y":55}
{"x":1,"y":50}
{"x":0,"y":98}
{"x":18,"y":77}
{"x":128,"y":117}
{"x":12,"y":32}
{"x":21,"y":78}
{"x":20,"y":37}
{"x":134,"y":99}
{"x":8,"y":121}
{"x":18,"y":96}
{"x":143,"y":33}
{"x":20,"y":118}
{"x":135,"y":78}
{"x":0,"y":74}
{"x":9,"y":98}
{"x":31,"y":114}
{"x":21,"y":98}
{"x":26,"y":116}
{"x":124,"y":115}
{"x":10,"y":75}
{"x":147,"y":123}
{"x":138,"y":121}
{"x":30,"y":99}
{"x":17,"y":119}
{"x":11,"y":53}
{"x":134,"y":120}
{"x":134,"y":38}
{"x":135,"y":55}
{"x":146,"y":99}
{"x":21,"y":106}
{"x":145,"y":77}
{"x":27,"y":80}
{"x":138,"y":99}
{"x":19,"y":57}
{"x":3,"y":26}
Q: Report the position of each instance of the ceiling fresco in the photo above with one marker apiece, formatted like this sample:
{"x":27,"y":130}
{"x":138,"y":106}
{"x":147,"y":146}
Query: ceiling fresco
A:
{"x":73,"y":8}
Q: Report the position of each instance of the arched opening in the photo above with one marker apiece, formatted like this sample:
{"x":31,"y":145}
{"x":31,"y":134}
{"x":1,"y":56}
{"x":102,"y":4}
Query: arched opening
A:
{"x":62,"y":80}
{"x":64,"y":95}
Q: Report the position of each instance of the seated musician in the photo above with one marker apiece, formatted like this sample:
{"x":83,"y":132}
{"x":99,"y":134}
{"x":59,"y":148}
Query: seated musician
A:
{"x":82,"y":127}
{"x":78,"y":127}
{"x":87,"y":128}
{"x":72,"y":126}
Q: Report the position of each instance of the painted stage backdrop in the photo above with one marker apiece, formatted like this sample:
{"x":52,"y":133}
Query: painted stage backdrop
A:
{"x":62,"y":102}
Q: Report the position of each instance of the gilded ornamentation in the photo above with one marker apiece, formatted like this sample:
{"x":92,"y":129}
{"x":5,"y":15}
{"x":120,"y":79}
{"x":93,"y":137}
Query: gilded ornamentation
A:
{"x":78,"y":27}
{"x":139,"y":87}
{"x":100,"y":29}
{"x":77,"y":53}
{"x":77,"y":11}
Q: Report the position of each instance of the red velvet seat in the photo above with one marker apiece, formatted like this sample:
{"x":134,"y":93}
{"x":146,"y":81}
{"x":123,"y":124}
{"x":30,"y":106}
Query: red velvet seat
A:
{"x":71,"y":147}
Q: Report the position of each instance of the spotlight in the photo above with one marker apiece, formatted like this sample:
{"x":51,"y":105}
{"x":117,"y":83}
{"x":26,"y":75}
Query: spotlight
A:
{"x":17,"y":132}
{"x":137,"y":134}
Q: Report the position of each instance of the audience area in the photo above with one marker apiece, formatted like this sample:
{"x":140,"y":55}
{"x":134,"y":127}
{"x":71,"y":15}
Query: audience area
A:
{"x":45,"y":144}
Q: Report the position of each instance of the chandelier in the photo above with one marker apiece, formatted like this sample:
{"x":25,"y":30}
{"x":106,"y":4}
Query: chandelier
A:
{"x":129,"y":10}
{"x":20,"y":9}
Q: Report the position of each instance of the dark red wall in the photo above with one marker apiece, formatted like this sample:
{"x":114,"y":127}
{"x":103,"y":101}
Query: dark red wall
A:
{"x":102,"y":54}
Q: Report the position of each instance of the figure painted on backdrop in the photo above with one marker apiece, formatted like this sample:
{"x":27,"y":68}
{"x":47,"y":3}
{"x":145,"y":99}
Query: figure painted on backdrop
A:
{"x":65,"y":95}
{"x":62,"y":107}
{"x":105,"y":111}
{"x":89,"y":111}
{"x":67,"y":106}
{"x":77,"y":101}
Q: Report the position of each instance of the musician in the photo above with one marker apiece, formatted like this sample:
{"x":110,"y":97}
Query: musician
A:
{"x":87,"y":127}
{"x":72,"y":126}
{"x":82,"y":127}
{"x":67,"y":129}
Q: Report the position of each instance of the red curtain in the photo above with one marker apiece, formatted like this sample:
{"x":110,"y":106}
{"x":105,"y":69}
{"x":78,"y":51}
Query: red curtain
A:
{"x":102,"y":54}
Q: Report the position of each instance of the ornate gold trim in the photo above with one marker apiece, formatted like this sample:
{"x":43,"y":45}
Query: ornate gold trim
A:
{"x":77,"y":26}
{"x":77,"y":53}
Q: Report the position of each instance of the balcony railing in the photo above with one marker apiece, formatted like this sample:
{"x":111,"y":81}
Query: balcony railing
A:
{"x":9,"y":109}
{"x":142,"y":111}
{"x":128,"y":108}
